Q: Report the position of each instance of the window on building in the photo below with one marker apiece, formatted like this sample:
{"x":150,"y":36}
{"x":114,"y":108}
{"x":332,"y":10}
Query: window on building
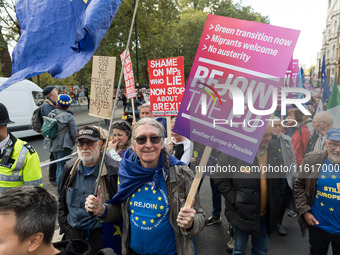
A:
{"x":335,"y":26}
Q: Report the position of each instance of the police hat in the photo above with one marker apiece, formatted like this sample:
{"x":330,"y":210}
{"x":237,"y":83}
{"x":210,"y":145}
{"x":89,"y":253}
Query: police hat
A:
{"x":4,"y":118}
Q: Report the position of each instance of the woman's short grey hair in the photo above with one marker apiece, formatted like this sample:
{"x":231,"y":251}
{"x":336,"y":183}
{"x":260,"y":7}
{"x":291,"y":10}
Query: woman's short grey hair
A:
{"x":148,"y":121}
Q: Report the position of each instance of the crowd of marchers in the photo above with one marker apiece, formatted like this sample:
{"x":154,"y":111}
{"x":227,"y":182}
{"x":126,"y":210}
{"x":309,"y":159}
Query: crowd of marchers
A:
{"x":141,"y":181}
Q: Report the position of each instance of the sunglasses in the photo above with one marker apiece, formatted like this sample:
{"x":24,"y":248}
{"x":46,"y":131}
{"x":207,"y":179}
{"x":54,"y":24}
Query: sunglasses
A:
{"x":153,"y":139}
{"x":119,"y":124}
{"x":81,"y":143}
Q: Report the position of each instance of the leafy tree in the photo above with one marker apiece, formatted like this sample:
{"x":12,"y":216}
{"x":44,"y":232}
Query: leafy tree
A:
{"x":166,"y":28}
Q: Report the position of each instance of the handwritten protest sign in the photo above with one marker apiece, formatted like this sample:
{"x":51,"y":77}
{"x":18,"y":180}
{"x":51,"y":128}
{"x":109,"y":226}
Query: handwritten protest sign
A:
{"x":102,"y":82}
{"x":128,"y":75}
{"x":233,"y":84}
{"x":166,"y":81}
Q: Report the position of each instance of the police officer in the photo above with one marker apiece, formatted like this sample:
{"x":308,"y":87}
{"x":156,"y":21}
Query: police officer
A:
{"x":19,"y":162}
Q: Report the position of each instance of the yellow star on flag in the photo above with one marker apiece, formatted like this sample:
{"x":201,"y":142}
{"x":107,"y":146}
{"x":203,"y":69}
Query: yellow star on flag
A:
{"x":146,"y":188}
{"x":162,"y":207}
{"x":132,"y":211}
{"x":333,"y":176}
{"x":118,"y":232}
{"x":154,"y":191}
{"x":159,"y":198}
{"x":144,"y":222}
{"x":159,"y":215}
{"x":130,"y":203}
{"x":331,"y":209}
{"x":85,"y":1}
{"x":152,"y":221}
{"x":139,"y":190}
{"x":136,"y":218}
{"x":133,"y":195}
{"x":317,"y":196}
{"x":323,"y":176}
{"x":322,"y":204}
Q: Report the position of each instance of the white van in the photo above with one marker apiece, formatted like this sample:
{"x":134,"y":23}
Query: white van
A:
{"x":21,"y":99}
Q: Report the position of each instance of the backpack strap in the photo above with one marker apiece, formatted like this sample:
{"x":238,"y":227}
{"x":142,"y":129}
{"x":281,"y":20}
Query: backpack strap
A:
{"x":65,"y":128}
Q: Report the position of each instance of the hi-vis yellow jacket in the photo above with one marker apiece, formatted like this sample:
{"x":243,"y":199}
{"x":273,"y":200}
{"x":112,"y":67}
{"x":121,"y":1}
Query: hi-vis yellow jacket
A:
{"x":23,"y":169}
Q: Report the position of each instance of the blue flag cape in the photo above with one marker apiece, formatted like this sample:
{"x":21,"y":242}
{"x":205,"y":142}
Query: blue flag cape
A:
{"x":58,"y":36}
{"x":132,"y":175}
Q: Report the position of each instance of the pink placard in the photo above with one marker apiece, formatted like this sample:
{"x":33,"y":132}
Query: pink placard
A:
{"x":236,"y":60}
{"x":290,"y":80}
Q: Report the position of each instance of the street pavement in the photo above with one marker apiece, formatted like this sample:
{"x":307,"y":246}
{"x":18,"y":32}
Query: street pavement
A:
{"x":213,"y":239}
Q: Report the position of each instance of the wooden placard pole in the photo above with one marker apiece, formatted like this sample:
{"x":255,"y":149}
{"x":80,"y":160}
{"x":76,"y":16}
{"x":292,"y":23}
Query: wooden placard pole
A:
{"x":133,"y":109}
{"x":198,"y":177}
{"x":168,"y":127}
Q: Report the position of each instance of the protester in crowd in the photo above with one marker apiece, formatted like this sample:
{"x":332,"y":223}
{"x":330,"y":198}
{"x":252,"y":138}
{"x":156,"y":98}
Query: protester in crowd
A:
{"x":145,"y":112}
{"x":316,"y":190}
{"x":180,"y":147}
{"x":120,"y":140}
{"x":62,"y":145}
{"x":298,"y":132}
{"x":19,"y":162}
{"x":307,"y":120}
{"x":287,"y":157}
{"x":27,"y":217}
{"x":153,"y":188}
{"x":78,"y":182}
{"x":322,"y":122}
{"x":103,"y":136}
{"x":51,"y":94}
{"x":124,"y":100}
{"x":252,"y":197}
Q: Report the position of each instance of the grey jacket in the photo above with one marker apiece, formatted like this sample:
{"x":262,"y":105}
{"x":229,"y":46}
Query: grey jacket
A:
{"x":180,"y":178}
{"x":288,"y":158}
{"x":66,"y":138}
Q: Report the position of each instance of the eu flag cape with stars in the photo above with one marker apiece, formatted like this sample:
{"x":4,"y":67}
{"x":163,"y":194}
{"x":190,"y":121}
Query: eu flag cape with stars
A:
{"x":58,"y":36}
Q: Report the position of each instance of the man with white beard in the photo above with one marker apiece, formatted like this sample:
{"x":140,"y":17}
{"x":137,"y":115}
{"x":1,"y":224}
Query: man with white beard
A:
{"x":78,"y":182}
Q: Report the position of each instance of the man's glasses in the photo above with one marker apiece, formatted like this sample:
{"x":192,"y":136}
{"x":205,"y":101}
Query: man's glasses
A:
{"x":153,"y":139}
{"x":81,"y":143}
{"x":333,"y":146}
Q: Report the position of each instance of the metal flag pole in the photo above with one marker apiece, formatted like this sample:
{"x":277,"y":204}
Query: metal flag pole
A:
{"x":115,"y":102}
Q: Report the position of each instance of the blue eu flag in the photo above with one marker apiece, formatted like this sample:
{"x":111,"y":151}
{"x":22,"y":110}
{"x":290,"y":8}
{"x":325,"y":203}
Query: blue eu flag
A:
{"x":326,"y":92}
{"x":58,"y":36}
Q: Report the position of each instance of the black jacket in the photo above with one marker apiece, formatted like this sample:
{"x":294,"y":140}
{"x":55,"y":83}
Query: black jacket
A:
{"x":78,"y":247}
{"x":242,"y":193}
{"x":72,"y":247}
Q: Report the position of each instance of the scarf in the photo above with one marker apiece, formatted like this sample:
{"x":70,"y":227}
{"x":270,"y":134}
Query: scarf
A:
{"x":132,"y":174}
{"x":290,"y":131}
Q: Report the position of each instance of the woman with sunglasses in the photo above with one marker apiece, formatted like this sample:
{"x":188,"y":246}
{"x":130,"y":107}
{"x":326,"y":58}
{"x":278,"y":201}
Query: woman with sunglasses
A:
{"x":152,"y":191}
{"x":120,"y":139}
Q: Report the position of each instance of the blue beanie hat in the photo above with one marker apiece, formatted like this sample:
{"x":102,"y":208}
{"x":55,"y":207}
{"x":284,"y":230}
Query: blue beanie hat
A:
{"x":64,"y":100}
